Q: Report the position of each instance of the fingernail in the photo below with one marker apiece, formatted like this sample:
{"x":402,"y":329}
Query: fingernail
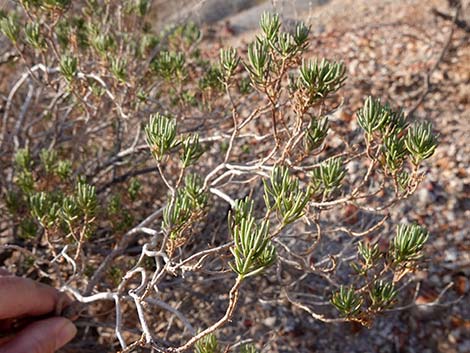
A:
{"x":66,"y":333}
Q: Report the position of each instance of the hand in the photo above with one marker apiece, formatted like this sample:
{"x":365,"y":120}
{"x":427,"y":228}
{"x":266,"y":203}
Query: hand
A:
{"x":23,"y":298}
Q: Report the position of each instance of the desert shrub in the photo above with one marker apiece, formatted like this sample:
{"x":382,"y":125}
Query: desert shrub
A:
{"x":136,"y":165}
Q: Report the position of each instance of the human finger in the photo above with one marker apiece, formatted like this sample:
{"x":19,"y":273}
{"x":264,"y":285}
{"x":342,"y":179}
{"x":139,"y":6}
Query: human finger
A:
{"x":22,"y":296}
{"x":44,"y":336}
{"x":4,"y":272}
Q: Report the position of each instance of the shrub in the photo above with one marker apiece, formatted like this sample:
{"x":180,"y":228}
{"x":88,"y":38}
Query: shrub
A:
{"x":124,"y":150}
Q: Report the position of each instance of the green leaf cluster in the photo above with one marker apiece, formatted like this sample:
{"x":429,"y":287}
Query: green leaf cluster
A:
{"x":248,"y":348}
{"x":316,"y":133}
{"x":189,"y":200}
{"x":369,"y":253}
{"x":252,"y":249}
{"x":285,"y":44}
{"x":191,"y":150}
{"x":10,"y":27}
{"x":420,"y":142}
{"x":33,"y":35}
{"x":229,"y":61}
{"x":408,"y":243}
{"x":207,"y":344}
{"x":258,"y":61}
{"x":320,"y":78}
{"x":68,"y":67}
{"x":44,"y":208}
{"x":373,"y":115}
{"x":327,"y":177}
{"x":382,"y":295}
{"x":347,"y":301}
{"x":283,"y":194}
{"x":160,"y":134}
{"x":169,"y":65}
{"x":85,"y":197}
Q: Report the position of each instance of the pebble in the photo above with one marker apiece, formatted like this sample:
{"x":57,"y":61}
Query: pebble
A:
{"x":270,"y":321}
{"x":450,"y":255}
{"x":426,"y":197}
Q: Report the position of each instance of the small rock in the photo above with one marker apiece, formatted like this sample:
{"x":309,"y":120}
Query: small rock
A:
{"x":270,"y":321}
{"x":456,"y":186}
{"x":450,"y":255}
{"x":426,"y":197}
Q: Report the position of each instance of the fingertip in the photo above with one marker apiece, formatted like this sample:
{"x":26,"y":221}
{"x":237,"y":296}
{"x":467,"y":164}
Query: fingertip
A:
{"x":45,"y":336}
{"x":66,"y":333}
{"x":4,"y":272}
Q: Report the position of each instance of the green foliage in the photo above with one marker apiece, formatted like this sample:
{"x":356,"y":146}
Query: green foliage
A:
{"x":252,"y":250}
{"x":320,"y":78}
{"x":57,"y":5}
{"x":177,"y":214}
{"x":33,"y":35}
{"x":270,"y":24}
{"x":285,"y":45}
{"x":403,"y":179}
{"x":44,"y":208}
{"x":347,"y":301}
{"x":62,"y":31}
{"x":258,"y":61}
{"x":25,"y":181}
{"x":9,"y":27}
{"x":169,"y":65}
{"x":140,"y":7}
{"x":207,"y":344}
{"x":187,"y":34}
{"x":369,"y":253}
{"x":316,"y":133}
{"x":327,"y":177}
{"x":193,"y":188}
{"x":96,"y":123}
{"x":134,"y":188}
{"x":211,"y":79}
{"x":191,"y":150}
{"x":420,"y":142}
{"x":23,"y":159}
{"x":372,"y":116}
{"x":284,"y":194}
{"x":69,"y":211}
{"x":147,"y":43}
{"x":114,"y":205}
{"x":229,"y":61}
{"x":394,"y":151}
{"x":301,"y":35}
{"x":63,"y":169}
{"x":408,"y":242}
{"x":188,"y":202}
{"x":102,"y":42}
{"x":48,"y":159}
{"x":68,"y":67}
{"x":243,"y":209}
{"x":160,"y":134}
{"x":28,"y":229}
{"x":248,"y":348}
{"x":118,"y":68}
{"x":382,"y":295}
{"x":244,"y":85}
{"x":85,"y":197}
{"x":13,"y":201}
{"x":395,"y":123}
